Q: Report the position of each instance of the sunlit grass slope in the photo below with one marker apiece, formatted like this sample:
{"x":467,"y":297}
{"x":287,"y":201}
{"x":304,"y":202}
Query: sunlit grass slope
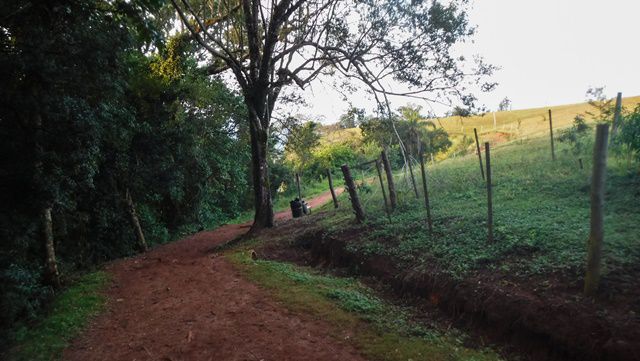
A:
{"x":525,"y":123}
{"x":541,"y":213}
{"x":509,"y":125}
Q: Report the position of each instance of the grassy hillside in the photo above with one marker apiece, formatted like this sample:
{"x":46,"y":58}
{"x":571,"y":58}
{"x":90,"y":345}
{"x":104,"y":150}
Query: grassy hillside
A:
{"x":510,"y":125}
{"x":541,"y":213}
{"x":525,"y":123}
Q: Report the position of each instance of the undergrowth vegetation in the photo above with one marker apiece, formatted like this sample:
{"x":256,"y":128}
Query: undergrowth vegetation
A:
{"x":68,"y":314}
{"x":381,"y":331}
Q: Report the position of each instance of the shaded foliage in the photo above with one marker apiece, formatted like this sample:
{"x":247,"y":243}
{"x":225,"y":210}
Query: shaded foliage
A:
{"x":630,"y":133}
{"x":352,"y":118}
{"x":87,"y":115}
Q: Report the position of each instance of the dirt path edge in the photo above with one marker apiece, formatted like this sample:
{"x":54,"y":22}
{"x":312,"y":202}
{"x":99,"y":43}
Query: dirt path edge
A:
{"x":553,"y":327}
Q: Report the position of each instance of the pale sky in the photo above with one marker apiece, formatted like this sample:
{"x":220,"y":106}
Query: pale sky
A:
{"x":550,"y":52}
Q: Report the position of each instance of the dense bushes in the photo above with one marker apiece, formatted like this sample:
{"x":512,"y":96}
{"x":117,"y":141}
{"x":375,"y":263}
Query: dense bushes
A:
{"x":89,"y":115}
{"x":629,"y":139}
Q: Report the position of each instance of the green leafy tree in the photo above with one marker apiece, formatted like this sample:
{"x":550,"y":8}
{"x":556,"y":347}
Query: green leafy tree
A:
{"x":379,"y":131}
{"x":415,"y":128}
{"x":268,"y":46}
{"x":416,"y":131}
{"x":61,"y":85}
{"x":301,"y":141}
{"x":505,"y":104}
{"x":462,"y":112}
{"x":100,"y":125}
{"x":352,"y":118}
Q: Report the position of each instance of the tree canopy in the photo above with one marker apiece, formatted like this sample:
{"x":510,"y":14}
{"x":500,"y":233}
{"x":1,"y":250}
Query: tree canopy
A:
{"x":269,"y":45}
{"x":92,"y":119}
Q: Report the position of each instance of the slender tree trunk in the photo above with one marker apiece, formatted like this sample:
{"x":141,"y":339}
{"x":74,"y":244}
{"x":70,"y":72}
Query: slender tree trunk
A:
{"x":51,"y":273}
{"x":384,"y":194}
{"x":353,"y":194}
{"x":263,"y":217}
{"x":298,"y":185}
{"x":333,"y":192}
{"x":393,"y":197}
{"x":51,"y":267}
{"x":413,"y":179}
{"x":135,"y":222}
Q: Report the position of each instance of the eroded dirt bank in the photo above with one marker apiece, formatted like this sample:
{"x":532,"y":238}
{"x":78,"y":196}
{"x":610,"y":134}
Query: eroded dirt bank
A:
{"x":537,"y":324}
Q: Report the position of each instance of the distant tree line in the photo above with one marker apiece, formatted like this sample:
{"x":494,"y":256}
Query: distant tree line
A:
{"x":311,"y":148}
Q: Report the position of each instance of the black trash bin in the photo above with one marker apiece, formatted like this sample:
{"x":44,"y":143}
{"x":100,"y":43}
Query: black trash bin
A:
{"x":296,"y":208}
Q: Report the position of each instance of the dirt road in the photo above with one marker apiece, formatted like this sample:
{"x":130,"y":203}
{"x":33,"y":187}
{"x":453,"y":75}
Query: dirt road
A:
{"x":180,"y":302}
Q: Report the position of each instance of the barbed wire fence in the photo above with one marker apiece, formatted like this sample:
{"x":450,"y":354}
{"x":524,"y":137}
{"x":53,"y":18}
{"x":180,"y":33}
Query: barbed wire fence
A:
{"x":363,"y":194}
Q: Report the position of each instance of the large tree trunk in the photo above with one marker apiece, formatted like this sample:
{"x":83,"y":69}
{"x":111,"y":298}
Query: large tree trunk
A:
{"x":263,"y":217}
{"x":51,"y":266}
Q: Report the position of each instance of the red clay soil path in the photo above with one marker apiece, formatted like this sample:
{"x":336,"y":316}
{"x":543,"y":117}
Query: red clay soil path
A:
{"x":180,"y":302}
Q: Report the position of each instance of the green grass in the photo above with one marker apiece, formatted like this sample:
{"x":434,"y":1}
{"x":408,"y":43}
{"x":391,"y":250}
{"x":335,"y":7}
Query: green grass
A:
{"x":69,"y":313}
{"x":379,"y":330}
{"x":541,"y":215}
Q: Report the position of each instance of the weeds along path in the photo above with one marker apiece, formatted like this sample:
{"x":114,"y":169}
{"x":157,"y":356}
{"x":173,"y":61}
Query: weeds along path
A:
{"x":180,"y":302}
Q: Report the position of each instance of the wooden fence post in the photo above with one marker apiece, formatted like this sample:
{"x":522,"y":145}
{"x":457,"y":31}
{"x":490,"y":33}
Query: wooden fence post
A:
{"x":393,"y":197}
{"x":298,"y":185}
{"x":553,"y":151}
{"x":413,"y":179}
{"x":489,"y":194}
{"x":333,"y":193}
{"x":426,"y":193}
{"x":353,"y":193}
{"x":616,"y":117}
{"x":475,"y":132}
{"x":384,"y":193}
{"x":596,"y":234}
